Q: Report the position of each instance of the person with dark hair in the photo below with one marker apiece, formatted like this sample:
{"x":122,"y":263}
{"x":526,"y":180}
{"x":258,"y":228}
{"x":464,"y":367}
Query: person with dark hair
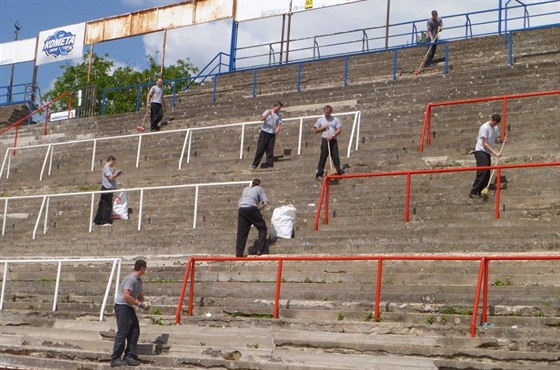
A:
{"x":252,"y":200}
{"x":108,"y":182}
{"x":329,"y":127}
{"x":272,"y":122}
{"x":488,"y":136}
{"x":156,"y":101}
{"x":130,"y":294}
{"x":434,"y":27}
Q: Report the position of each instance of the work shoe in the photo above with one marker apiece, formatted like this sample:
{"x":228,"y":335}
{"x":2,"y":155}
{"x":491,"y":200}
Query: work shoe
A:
{"x":475,"y":196}
{"x":107,"y":224}
{"x":319,"y":178}
{"x":131,"y":361}
{"x":254,"y":167}
{"x":118,"y":363}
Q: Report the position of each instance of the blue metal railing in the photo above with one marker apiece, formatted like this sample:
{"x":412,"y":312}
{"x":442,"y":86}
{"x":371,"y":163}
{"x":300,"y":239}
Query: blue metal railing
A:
{"x":21,"y":94}
{"x":342,"y":44}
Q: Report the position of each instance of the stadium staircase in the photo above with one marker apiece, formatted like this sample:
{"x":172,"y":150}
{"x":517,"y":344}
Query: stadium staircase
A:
{"x":325,"y":315}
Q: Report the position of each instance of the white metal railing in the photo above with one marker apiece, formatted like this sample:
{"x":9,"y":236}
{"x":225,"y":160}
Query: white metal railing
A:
{"x":44,"y":209}
{"x":59,"y":261}
{"x":6,"y":163}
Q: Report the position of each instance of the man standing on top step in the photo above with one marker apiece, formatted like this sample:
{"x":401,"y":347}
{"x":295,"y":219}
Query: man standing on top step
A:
{"x":488,"y":136}
{"x":156,"y":101}
{"x":252,"y":200}
{"x":434,"y":27}
{"x":272,"y":123}
{"x":329,"y":127}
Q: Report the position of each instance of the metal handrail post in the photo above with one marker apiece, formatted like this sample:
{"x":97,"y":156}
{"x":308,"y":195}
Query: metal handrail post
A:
{"x":6,"y":155}
{"x":45,"y":162}
{"x":5,"y":216}
{"x":195,"y":206}
{"x":140,"y":209}
{"x":300,"y":138}
{"x":378,"y":288}
{"x":93,"y":154}
{"x":46,"y":218}
{"x":138,"y":150}
{"x":106,"y":295}
{"x":50,"y":161}
{"x":4,"y":282}
{"x":39,"y":217}
{"x":9,"y":166}
{"x":57,"y":286}
{"x":191,"y":288}
{"x":446,"y":63}
{"x":345,"y":81}
{"x":189,"y":148}
{"x":394,"y":64}
{"x":298,"y":77}
{"x":254,"y":85}
{"x":91,"y":212}
{"x":277,"y":292}
{"x":483,"y":316}
{"x":477,"y":296}
{"x":183,"y":149}
{"x":242,"y":141}
{"x":407,"y":198}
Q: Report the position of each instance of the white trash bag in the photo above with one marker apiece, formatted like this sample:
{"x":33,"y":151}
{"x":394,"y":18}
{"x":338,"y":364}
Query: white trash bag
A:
{"x":120,"y":207}
{"x":283,"y":219}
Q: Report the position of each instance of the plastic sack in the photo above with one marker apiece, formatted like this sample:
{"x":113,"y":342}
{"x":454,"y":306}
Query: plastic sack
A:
{"x":283,"y":219}
{"x":120,"y":207}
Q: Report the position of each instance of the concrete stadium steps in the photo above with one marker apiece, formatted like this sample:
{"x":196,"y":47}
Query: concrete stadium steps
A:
{"x":420,"y":301}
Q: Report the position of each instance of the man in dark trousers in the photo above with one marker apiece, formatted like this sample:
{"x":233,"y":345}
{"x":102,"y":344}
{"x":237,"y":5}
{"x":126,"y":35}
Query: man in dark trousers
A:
{"x":329,"y":127}
{"x":108,"y":182}
{"x":252,"y":200}
{"x":434,"y":27}
{"x":156,"y":101}
{"x":130,"y":294}
{"x":488,"y":137}
{"x":272,"y":122}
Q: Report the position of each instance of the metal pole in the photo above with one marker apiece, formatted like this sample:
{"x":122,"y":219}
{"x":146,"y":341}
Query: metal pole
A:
{"x":288,"y":35}
{"x":90,"y":60}
{"x":282,"y":39}
{"x":18,"y":27}
{"x":387,"y":24}
{"x":163,"y":54}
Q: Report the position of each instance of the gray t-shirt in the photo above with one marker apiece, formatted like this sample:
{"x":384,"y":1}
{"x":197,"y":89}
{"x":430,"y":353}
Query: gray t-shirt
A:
{"x":270,"y":121}
{"x":433,"y":25}
{"x":333,"y":123}
{"x":252,"y":197}
{"x":105,"y":182}
{"x":157,"y":95}
{"x":130,"y":282}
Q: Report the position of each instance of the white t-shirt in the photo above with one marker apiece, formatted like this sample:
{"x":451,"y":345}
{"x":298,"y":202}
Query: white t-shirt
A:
{"x":490,"y":133}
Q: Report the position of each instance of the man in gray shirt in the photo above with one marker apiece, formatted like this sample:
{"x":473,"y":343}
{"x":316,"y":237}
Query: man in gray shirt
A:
{"x":108,"y":182}
{"x":251,"y":202}
{"x":156,"y":101}
{"x":130,"y":294}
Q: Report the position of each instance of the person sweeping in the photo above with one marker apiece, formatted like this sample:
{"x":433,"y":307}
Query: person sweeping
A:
{"x":488,"y":137}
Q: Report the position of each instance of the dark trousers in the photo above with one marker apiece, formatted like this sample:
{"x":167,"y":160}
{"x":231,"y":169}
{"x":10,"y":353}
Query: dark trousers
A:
{"x":156,"y":114}
{"x":104,"y":209}
{"x":248,"y":216}
{"x":431,"y":54}
{"x":482,"y":176}
{"x":265,"y":144}
{"x":128,"y":328}
{"x":325,"y":154}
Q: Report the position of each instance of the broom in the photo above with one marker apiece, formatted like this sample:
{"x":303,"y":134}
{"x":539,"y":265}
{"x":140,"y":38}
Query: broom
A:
{"x":331,"y":171}
{"x":486,"y":190}
{"x":419,"y":70}
{"x":141,"y":127}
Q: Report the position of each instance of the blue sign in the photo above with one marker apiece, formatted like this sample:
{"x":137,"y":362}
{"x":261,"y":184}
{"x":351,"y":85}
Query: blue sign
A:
{"x":60,"y":43}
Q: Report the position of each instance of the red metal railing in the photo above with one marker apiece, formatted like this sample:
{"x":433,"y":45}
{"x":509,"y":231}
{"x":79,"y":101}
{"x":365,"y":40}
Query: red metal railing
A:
{"x":46,"y":109}
{"x":325,"y":188}
{"x":426,"y":133}
{"x":481,"y":285}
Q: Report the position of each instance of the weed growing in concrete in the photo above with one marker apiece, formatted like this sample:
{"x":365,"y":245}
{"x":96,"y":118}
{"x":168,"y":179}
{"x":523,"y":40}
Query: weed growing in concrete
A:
{"x":88,"y":188}
{"x":448,"y":311}
{"x":539,"y":313}
{"x":307,"y":280}
{"x":369,"y":317}
{"x":340,"y":316}
{"x":430,"y":320}
{"x":157,"y":311}
{"x":503,"y":283}
{"x":547,"y":304}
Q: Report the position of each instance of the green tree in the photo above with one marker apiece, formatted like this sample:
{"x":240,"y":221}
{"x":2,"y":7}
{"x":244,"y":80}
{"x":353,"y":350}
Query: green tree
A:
{"x":104,"y":75}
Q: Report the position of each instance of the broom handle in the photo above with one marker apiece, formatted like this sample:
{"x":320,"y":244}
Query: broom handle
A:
{"x":495,"y":164}
{"x":425,"y":56}
{"x":330,"y":158}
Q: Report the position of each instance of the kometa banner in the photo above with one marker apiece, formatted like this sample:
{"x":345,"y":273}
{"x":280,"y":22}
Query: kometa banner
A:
{"x":61,"y":43}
